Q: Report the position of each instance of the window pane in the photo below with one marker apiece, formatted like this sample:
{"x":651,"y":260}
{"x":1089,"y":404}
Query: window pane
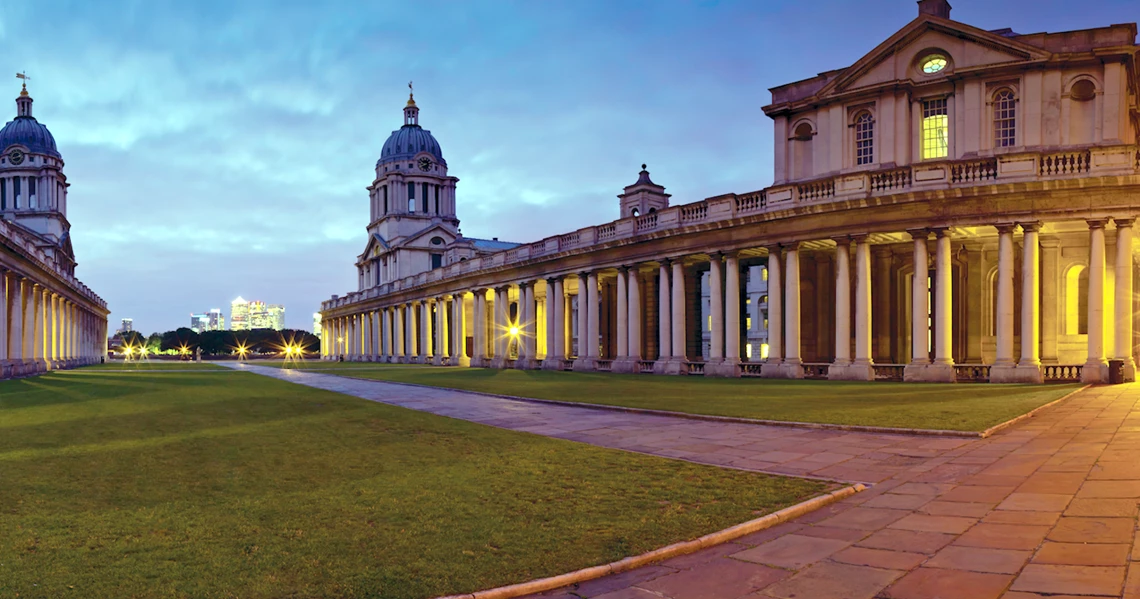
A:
{"x":1005,"y":119}
{"x":935,"y":129}
{"x":864,"y":139}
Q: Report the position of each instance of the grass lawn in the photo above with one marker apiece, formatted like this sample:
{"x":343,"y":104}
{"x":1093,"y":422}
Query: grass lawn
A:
{"x":958,"y":407}
{"x":221,"y":485}
{"x":151,"y":365}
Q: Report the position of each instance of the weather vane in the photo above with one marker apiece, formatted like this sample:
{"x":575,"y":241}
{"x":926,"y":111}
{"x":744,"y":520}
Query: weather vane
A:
{"x":410,"y":90}
{"x":23,"y":75}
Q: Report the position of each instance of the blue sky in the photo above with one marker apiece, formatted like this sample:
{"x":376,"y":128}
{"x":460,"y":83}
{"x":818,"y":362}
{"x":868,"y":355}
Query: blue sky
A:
{"x":218,"y":149}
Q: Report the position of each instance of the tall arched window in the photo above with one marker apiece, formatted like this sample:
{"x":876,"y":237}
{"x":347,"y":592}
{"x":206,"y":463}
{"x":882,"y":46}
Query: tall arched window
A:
{"x":1005,"y":119}
{"x":801,"y":150}
{"x":1076,"y":300}
{"x":864,"y":139}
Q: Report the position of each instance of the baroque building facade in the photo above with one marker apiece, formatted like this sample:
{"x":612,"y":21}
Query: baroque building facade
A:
{"x":957,"y":205}
{"x":48,"y":318}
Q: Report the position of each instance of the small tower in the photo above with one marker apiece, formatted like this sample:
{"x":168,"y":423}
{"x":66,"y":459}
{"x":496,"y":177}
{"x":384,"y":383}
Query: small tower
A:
{"x":24,"y":103}
{"x":411,"y":111}
{"x":643,"y":197}
{"x":934,"y":8}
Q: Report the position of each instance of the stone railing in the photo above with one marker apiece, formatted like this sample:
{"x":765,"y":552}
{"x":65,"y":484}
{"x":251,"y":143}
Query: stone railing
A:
{"x":696,"y":368}
{"x":969,"y":373}
{"x":888,"y":372}
{"x":567,"y":364}
{"x":816,"y":370}
{"x":27,"y":248}
{"x":645,"y":366}
{"x":920,"y":176}
{"x":1061,"y":373}
{"x":604,"y":365}
{"x":750,"y":369}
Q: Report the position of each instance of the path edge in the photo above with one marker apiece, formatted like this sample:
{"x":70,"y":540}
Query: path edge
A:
{"x":544,"y":584}
{"x":1014,"y":421}
{"x":699,"y":417}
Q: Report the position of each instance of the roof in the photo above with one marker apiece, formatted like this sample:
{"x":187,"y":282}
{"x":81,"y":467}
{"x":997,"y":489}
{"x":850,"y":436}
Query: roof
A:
{"x":491,"y":244}
{"x":28,"y":132}
{"x":408,"y":141}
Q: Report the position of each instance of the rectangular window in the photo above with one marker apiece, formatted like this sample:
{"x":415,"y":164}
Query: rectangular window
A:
{"x":710,"y":322}
{"x":3,"y":193}
{"x":411,"y":197}
{"x":748,"y":323}
{"x":437,"y":199}
{"x":425,"y":197}
{"x":935,"y":129}
{"x":436,"y":261}
{"x":385,"y":199}
{"x":15,"y":192}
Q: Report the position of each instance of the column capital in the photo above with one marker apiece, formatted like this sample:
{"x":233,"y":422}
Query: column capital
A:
{"x":919,"y":234}
{"x":841,"y":239}
{"x":1005,"y":227}
{"x":859,"y":238}
{"x":522,"y":284}
{"x":716,"y":255}
{"x":665,"y":262}
{"x":1097,"y":223}
{"x":1123,"y":223}
{"x":553,"y":279}
{"x":1030,"y":227}
{"x":623,"y":269}
{"x":941,"y":232}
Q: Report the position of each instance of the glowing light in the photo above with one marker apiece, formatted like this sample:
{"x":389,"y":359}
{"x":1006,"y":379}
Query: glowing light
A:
{"x":763,"y":350}
{"x":514,"y":330}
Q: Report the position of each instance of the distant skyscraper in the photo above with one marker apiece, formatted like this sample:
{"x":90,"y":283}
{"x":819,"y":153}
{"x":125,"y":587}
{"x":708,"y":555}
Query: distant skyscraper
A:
{"x":239,"y":315}
{"x":317,"y":324}
{"x":199,"y":322}
{"x":217,"y":320}
{"x":276,"y":316}
{"x":127,"y":325}
{"x":258,"y":315}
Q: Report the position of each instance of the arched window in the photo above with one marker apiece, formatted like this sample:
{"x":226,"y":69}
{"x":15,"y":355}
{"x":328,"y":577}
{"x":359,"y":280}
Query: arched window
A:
{"x":1082,"y":112}
{"x":411,"y":197}
{"x":801,"y":151}
{"x":864,"y":139}
{"x":1005,"y":119}
{"x":635,"y":212}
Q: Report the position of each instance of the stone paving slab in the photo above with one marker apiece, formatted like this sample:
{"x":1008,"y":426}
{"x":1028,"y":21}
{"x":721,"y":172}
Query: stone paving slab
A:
{"x":1046,"y":508}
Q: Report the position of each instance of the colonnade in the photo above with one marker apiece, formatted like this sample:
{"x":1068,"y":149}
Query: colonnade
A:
{"x":42,"y":329}
{"x":542,"y":323}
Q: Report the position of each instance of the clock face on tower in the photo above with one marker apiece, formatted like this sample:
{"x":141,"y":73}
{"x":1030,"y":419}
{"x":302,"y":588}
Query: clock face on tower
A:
{"x":16,"y":157}
{"x":425,"y":163}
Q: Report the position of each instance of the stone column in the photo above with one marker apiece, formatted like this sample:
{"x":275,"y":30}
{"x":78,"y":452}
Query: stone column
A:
{"x":528,"y":327}
{"x":377,"y":336}
{"x":919,"y":311}
{"x":389,"y":338}
{"x":664,"y":318}
{"x":555,"y":326}
{"x":731,"y":366}
{"x":792,"y":364}
{"x":882,"y":317}
{"x":838,"y":367}
{"x":773,"y":366}
{"x":478,"y":328}
{"x":581,"y":361}
{"x":1050,"y":315}
{"x":426,"y":331}
{"x":621,"y":364}
{"x":399,"y":333}
{"x":54,"y":331}
{"x":716,"y":312}
{"x":633,"y":317}
{"x":594,"y":328}
{"x":5,"y":302}
{"x":942,"y":368}
{"x":500,"y":333}
{"x":1096,"y":367}
{"x":434,"y":309}
{"x":679,"y":362}
{"x":863,"y":368}
{"x":445,"y":318}
{"x":1122,"y":340}
{"x":1003,"y":317}
{"x":1029,"y":367}
{"x":37,"y":327}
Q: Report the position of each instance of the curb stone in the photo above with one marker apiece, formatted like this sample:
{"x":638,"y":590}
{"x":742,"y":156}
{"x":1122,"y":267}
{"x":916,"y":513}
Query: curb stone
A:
{"x":549,"y":583}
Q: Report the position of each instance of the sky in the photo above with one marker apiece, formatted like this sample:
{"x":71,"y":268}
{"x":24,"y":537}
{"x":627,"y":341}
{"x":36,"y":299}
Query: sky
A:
{"x":218,"y":149}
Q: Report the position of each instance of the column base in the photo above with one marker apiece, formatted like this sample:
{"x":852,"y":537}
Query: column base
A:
{"x":929,"y":373}
{"x":528,"y":364}
{"x":497,"y":362}
{"x":552,"y":363}
{"x":771,"y":370}
{"x":1017,"y":374}
{"x":437,"y":361}
{"x":857,"y":371}
{"x":670,"y":366}
{"x":1094,"y":372}
{"x":624,"y":364}
{"x":583,"y":363}
{"x":792,"y":369}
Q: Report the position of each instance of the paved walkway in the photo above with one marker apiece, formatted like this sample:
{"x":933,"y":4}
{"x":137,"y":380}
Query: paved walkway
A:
{"x":1047,"y":507}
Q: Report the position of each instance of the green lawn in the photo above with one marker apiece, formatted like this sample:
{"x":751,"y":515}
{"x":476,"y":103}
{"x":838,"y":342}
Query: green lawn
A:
{"x":151,"y":365}
{"x":958,"y":407}
{"x":234,"y":484}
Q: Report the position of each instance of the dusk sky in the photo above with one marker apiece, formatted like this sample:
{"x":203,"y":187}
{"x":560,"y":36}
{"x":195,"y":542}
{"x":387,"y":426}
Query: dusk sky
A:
{"x":218,"y":149}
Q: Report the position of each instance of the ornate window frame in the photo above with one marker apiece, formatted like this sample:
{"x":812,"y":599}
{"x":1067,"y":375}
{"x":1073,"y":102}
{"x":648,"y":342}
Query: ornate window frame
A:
{"x":863,"y":140}
{"x":1003,"y":115}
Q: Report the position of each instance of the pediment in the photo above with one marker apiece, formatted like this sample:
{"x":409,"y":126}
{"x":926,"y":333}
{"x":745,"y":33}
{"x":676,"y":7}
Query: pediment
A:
{"x":376,"y":244}
{"x":424,"y":237}
{"x":895,"y":59}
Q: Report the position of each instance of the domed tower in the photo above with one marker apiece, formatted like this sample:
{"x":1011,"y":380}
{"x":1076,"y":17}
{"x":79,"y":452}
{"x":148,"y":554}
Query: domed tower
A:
{"x":412,"y":199}
{"x":33,"y":188}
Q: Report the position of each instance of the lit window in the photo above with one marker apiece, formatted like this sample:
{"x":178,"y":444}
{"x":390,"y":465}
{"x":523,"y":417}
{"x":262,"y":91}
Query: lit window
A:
{"x":1005,"y":119}
{"x":710,"y":322}
{"x":748,"y":323}
{"x":748,"y":350}
{"x":935,"y":129}
{"x":864,"y":139}
{"x":764,"y":274}
{"x":933,"y":64}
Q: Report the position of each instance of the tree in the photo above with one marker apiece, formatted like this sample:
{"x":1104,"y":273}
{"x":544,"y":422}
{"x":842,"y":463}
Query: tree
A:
{"x":154,"y":343}
{"x":133,"y":339}
{"x":180,"y":338}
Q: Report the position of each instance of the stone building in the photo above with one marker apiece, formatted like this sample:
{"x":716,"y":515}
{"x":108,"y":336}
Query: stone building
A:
{"x":955,"y":205}
{"x":48,"y":318}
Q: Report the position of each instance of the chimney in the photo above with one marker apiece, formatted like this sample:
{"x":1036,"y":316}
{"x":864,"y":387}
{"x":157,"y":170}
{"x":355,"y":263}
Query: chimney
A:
{"x":934,"y":8}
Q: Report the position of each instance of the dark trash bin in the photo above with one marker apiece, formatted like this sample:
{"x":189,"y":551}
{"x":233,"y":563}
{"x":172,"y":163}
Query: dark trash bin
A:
{"x":1116,"y":371}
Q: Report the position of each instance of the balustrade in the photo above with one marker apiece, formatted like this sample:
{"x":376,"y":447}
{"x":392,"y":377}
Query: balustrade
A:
{"x":691,"y":213}
{"x":973,"y":170}
{"x":750,"y":369}
{"x":887,"y":372}
{"x":696,"y":368}
{"x":645,"y":366}
{"x":1062,"y":373}
{"x":890,"y":180}
{"x":816,"y":370}
{"x":1066,"y":163}
{"x":815,"y":190}
{"x":971,"y":373}
{"x":751,"y":203}
{"x":646,"y":222}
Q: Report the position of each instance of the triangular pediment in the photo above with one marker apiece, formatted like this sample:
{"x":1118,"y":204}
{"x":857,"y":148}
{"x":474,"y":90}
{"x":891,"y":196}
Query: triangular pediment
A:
{"x":376,"y":244}
{"x":423,"y":238}
{"x":895,"y":59}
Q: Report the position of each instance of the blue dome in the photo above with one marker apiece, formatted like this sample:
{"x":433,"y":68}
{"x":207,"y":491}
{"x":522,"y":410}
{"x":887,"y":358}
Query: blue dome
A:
{"x":408,"y":141}
{"x":29,"y":132}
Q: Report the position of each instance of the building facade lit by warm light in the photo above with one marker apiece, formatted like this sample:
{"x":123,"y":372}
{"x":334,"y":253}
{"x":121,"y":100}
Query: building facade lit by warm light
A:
{"x":955,"y":205}
{"x":126,"y":325}
{"x":239,"y":315}
{"x":51,"y":319}
{"x":276,"y":316}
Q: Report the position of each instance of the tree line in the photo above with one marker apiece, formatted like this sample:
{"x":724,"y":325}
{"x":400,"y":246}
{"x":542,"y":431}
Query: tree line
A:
{"x":254,"y":341}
